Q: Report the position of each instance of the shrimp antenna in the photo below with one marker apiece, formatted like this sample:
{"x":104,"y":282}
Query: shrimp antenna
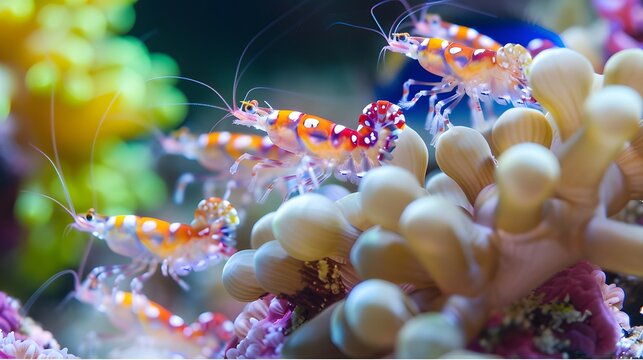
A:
{"x":275,"y":39}
{"x":410,"y":12}
{"x":93,"y":148}
{"x":196,"y":82}
{"x":288,"y":92}
{"x":408,"y":7}
{"x":52,"y":199}
{"x":375,"y":17}
{"x":32,"y":299}
{"x":257,"y":35}
{"x":59,"y":174}
{"x":357,"y":27}
{"x":57,"y":167}
{"x":381,"y":57}
{"x":219,"y":121}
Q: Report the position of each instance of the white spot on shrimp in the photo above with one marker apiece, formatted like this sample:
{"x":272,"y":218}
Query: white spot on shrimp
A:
{"x":273,"y":116}
{"x":311,"y":123}
{"x":187,"y":331}
{"x":354,"y":139}
{"x":453,"y":30}
{"x":294,"y":116}
{"x":224,"y":137}
{"x":444,"y":44}
{"x":148,"y":226}
{"x":339,"y":128}
{"x":205,"y":317}
{"x":176,"y":321}
{"x":471,"y":34}
{"x":425,"y":42}
{"x":203,"y":140}
{"x":366,"y":109}
{"x":485,"y":41}
{"x":359,"y":127}
{"x":174,"y":227}
{"x":478,"y":52}
{"x":367,"y":141}
{"x":111,"y":221}
{"x":266,"y":142}
{"x":368,"y":123}
{"x":535,"y":43}
{"x":120,"y":297}
{"x":454,"y":50}
{"x":152,"y":312}
{"x":242,"y":142}
{"x":129,"y":222}
{"x":493,"y":59}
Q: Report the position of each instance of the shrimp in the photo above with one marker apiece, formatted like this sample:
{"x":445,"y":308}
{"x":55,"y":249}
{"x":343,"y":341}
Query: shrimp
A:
{"x":179,"y":248}
{"x":323,"y":146}
{"x":217,"y":151}
{"x":431,"y":25}
{"x":137,"y":316}
{"x":479,"y":73}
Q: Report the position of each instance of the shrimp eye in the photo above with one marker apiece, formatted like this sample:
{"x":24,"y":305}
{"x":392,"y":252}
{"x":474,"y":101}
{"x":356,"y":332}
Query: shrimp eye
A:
{"x":89,"y":217}
{"x":251,"y":109}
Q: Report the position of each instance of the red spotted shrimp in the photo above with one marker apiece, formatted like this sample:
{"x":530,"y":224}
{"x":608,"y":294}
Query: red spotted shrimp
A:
{"x":323,"y":146}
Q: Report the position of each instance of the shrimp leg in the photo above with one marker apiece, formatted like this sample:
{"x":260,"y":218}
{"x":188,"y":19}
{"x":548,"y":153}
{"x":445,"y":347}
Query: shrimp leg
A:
{"x":443,"y":87}
{"x":406,"y":88}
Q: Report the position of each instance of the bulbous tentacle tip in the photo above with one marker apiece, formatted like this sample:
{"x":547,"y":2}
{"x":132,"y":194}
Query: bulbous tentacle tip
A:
{"x":465,"y":156}
{"x":456,"y":252}
{"x":561,"y":79}
{"x":428,"y":336}
{"x":526,"y":177}
{"x":385,"y":192}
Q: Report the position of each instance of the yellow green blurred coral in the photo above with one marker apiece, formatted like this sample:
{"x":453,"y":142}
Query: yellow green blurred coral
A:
{"x":70,"y":55}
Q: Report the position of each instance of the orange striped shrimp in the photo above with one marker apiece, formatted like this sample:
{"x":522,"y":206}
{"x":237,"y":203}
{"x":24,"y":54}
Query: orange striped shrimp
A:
{"x":137,"y":316}
{"x":179,"y":248}
{"x":323,"y":146}
{"x":217,"y":152}
{"x":432,"y":25}
{"x":481,"y":74}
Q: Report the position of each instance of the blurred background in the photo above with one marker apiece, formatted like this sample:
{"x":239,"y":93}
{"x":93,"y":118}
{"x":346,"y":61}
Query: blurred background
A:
{"x":89,"y":60}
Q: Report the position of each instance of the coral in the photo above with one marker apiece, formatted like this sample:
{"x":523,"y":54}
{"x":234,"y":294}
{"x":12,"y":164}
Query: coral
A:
{"x":10,"y":347}
{"x":491,"y":231}
{"x":9,"y":316}
{"x":66,"y":68}
{"x":570,"y":315}
{"x":265,"y":323}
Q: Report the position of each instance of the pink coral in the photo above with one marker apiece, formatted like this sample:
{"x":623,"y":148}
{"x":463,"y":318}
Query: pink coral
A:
{"x":573,"y":314}
{"x":10,"y":347}
{"x":9,"y":316}
{"x":578,"y":283}
{"x":265,"y":336}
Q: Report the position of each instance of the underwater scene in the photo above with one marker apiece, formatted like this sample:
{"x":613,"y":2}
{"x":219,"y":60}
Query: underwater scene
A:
{"x":321,"y":179}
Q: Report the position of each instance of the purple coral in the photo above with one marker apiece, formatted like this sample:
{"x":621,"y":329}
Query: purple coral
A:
{"x":9,"y":316}
{"x":579,"y":284}
{"x":13,"y":348}
{"x":573,"y":314}
{"x":265,"y":336}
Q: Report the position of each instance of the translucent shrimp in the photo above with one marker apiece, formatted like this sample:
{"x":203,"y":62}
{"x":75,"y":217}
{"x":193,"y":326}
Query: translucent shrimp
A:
{"x":179,"y":248}
{"x":323,"y":146}
{"x":137,"y":317}
{"x":432,"y":25}
{"x":481,"y":74}
{"x":217,"y":152}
